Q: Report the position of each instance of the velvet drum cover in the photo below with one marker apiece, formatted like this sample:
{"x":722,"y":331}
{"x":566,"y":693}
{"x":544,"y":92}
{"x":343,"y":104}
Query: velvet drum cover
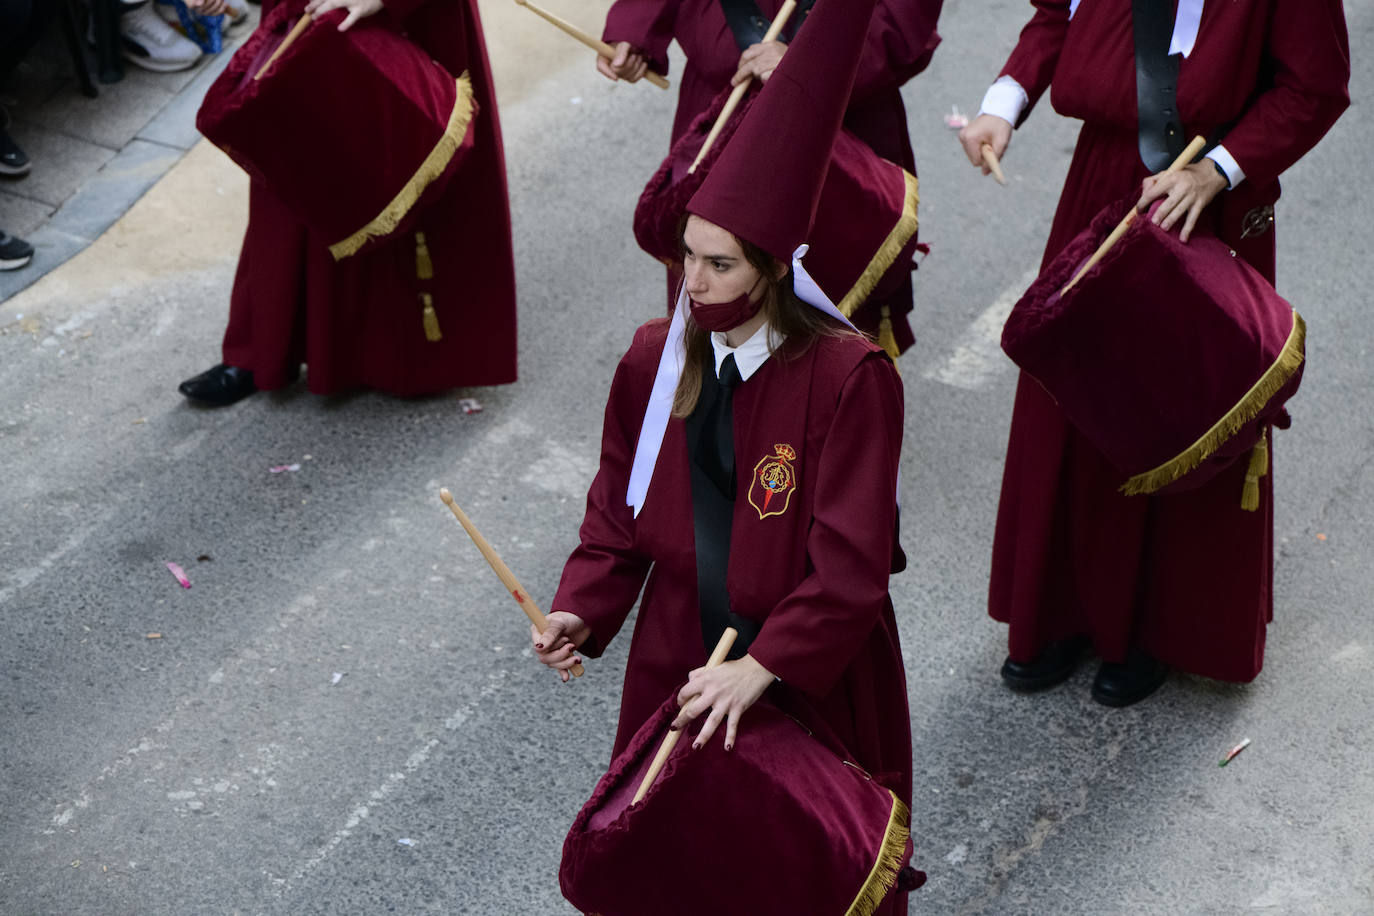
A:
{"x":782,"y":824}
{"x":1171,"y":358}
{"x":865,"y":229}
{"x":354,"y":131}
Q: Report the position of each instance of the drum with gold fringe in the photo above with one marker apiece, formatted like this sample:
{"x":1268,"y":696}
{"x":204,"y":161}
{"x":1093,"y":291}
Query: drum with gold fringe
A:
{"x":784,"y":823}
{"x":354,"y":131}
{"x":864,"y":234}
{"x":1172,"y":358}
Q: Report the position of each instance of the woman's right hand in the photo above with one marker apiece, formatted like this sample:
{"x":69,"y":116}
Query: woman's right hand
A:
{"x":557,"y":645}
{"x":628,"y":64}
{"x":989,"y":129}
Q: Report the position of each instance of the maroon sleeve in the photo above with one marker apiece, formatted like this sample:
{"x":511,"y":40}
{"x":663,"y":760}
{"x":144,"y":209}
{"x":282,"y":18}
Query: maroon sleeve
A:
{"x":1036,"y":55}
{"x":1309,"y":56}
{"x":814,"y":633}
{"x":605,"y":573}
{"x":647,"y":25}
{"x":901,"y":40}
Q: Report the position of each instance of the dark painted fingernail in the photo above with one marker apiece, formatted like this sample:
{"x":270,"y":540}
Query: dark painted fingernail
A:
{"x":539,"y":646}
{"x":729,"y":747}
{"x":672,"y":728}
{"x":696,"y":747}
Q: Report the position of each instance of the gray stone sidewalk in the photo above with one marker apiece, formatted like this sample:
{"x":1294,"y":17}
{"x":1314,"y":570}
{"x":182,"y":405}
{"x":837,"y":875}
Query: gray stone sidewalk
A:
{"x":93,"y":158}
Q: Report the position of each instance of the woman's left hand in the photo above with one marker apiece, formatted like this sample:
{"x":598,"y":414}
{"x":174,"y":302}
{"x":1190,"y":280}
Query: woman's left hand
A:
{"x":759,"y":60}
{"x":357,"y":9}
{"x":727,"y":691}
{"x":1186,"y":194}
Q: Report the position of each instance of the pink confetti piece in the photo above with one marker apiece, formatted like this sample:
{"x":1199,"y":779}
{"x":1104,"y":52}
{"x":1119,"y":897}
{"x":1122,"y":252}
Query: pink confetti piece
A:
{"x":469,"y":405}
{"x":1231,"y":754}
{"x":180,"y":574}
{"x":279,"y":468}
{"x":956,"y":120}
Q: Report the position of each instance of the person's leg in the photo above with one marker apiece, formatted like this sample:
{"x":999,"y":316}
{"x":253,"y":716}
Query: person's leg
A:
{"x":152,"y":43}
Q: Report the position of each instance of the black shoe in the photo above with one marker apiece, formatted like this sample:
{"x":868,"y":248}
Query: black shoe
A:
{"x":1130,"y":681}
{"x":14,"y":253}
{"x":219,"y":386}
{"x":13,"y":161}
{"x":1054,"y":664}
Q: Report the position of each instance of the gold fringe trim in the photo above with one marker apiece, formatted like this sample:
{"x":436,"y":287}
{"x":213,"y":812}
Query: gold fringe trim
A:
{"x":888,"y":863}
{"x":1259,"y":466}
{"x":887,"y":252}
{"x":385,"y":223}
{"x":431,"y":319}
{"x":886,"y":339}
{"x":1246,"y":409}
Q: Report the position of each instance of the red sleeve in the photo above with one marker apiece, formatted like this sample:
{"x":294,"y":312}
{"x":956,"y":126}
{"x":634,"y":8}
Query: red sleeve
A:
{"x":1033,"y":62}
{"x":647,"y":25}
{"x":605,"y":573}
{"x":901,"y":40}
{"x":1309,"y":56}
{"x":816,"y":631}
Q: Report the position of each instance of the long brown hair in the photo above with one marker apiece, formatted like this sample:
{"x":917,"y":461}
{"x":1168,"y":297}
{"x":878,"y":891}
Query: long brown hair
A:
{"x":794,"y":320}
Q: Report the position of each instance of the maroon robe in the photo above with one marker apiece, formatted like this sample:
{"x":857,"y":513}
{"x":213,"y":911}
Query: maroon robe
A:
{"x":359,"y":321}
{"x":1187,"y":577}
{"x":811,"y":565}
{"x":900,"y":43}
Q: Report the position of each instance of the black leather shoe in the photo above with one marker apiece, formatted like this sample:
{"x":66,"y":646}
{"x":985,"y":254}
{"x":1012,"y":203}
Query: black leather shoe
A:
{"x":1130,"y":681}
{"x":1054,"y":664}
{"x":219,"y":386}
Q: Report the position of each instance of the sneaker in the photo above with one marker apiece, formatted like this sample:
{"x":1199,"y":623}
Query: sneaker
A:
{"x":152,"y":43}
{"x":14,"y":253}
{"x":13,"y":162}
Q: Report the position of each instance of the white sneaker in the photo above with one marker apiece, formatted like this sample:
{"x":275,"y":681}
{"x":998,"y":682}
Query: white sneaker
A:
{"x":153,"y":44}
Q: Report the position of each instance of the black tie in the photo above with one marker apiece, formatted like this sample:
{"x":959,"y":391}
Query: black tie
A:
{"x":711,"y":447}
{"x":715,"y":453}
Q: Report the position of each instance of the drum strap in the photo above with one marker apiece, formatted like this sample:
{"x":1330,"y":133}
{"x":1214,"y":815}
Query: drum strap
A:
{"x":711,"y":456}
{"x":749,"y":25}
{"x":1156,"y":83}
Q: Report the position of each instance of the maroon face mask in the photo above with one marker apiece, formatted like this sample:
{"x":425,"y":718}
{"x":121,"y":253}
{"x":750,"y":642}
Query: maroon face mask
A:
{"x":722,"y":316}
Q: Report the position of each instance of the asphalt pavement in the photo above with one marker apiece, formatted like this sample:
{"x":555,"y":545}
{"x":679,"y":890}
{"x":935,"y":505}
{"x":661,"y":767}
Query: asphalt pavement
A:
{"x":342,"y":715}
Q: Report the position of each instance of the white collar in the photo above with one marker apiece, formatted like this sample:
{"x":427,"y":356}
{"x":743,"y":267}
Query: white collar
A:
{"x":749,"y":355}
{"x":1186,"y":22}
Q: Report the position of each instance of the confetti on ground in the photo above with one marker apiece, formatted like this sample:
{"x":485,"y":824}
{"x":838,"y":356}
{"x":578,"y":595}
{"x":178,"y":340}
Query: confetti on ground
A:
{"x":1231,"y":754}
{"x":204,"y":558}
{"x":140,"y":421}
{"x":279,"y":468}
{"x":338,"y":676}
{"x":180,"y":574}
{"x":469,"y":405}
{"x":154,"y":636}
{"x":1321,"y":537}
{"x":405,"y":841}
{"x":956,"y":120}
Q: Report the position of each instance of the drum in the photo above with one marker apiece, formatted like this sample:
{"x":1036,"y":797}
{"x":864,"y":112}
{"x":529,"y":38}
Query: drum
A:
{"x":354,"y":131}
{"x":1170,"y":358}
{"x":784,"y":823}
{"x":865,"y":228}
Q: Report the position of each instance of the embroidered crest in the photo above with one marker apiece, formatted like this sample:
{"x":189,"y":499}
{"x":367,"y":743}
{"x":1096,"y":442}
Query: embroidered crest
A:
{"x":770,"y":492}
{"x":1257,"y":221}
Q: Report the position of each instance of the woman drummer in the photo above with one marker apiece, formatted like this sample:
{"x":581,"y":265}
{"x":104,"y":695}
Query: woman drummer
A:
{"x":749,"y":463}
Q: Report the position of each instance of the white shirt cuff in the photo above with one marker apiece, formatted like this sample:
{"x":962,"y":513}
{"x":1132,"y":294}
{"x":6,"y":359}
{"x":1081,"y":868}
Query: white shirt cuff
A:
{"x":1005,"y":99}
{"x":1234,"y":173}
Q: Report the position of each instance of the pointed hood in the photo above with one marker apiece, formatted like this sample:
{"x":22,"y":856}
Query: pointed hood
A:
{"x":767,"y":182}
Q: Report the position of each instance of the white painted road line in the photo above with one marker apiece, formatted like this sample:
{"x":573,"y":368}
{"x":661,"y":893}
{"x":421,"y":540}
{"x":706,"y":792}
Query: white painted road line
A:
{"x":977,"y":358}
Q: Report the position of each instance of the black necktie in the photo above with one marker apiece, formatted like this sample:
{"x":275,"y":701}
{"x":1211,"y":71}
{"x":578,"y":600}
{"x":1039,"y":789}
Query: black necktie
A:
{"x":711,"y":449}
{"x":715,"y":452}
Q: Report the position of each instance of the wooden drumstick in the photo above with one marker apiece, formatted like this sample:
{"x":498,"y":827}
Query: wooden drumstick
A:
{"x":517,"y":591}
{"x":994,"y":164}
{"x":296,"y":31}
{"x":1185,"y":157}
{"x":722,"y":649}
{"x":775,"y":29}
{"x":596,"y":44}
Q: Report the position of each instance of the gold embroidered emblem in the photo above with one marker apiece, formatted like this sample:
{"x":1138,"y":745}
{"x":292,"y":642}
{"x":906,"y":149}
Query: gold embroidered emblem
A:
{"x":770,"y":492}
{"x":1257,"y":221}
